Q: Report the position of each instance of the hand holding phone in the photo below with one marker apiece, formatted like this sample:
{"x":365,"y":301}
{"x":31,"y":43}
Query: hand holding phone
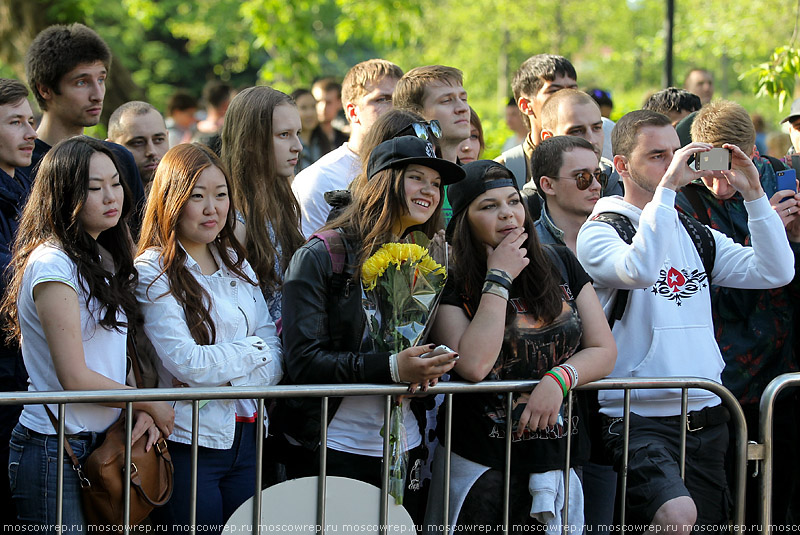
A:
{"x":716,"y":159}
{"x":439,"y":350}
{"x":787,"y":180}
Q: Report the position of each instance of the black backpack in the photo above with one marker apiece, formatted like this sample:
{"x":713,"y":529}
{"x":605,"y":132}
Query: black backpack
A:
{"x":701,"y":235}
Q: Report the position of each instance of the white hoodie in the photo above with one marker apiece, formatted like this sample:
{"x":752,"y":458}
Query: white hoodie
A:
{"x":667,"y":329}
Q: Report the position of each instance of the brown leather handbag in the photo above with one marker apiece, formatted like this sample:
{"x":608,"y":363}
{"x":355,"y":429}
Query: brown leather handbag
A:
{"x":101,"y":476}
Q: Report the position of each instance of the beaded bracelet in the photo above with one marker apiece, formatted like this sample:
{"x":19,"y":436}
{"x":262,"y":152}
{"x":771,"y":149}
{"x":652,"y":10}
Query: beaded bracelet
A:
{"x":495,"y":289}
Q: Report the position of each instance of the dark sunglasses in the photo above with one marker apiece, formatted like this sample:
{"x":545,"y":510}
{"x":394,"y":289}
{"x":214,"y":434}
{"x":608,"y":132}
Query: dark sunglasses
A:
{"x":421,"y":130}
{"x":584,"y":179}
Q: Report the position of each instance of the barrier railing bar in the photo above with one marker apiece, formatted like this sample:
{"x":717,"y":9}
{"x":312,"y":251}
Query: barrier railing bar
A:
{"x":766,"y":411}
{"x":195,"y":394}
{"x":60,"y":469}
{"x":383,"y":518}
{"x":126,"y":471}
{"x":195,"y":452}
{"x":565,"y":509}
{"x":322,"y":479}
{"x":684,"y":426}
{"x":259,"y":465}
{"x":626,"y":429}
{"x":292,"y":391}
{"x":448,"y":428}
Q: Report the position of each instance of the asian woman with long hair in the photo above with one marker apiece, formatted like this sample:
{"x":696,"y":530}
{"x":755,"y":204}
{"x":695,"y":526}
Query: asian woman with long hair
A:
{"x":69,"y":303}
{"x":208,"y":322}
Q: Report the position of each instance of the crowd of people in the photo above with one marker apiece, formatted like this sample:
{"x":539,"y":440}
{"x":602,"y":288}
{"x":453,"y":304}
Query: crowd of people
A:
{"x":231,"y":249}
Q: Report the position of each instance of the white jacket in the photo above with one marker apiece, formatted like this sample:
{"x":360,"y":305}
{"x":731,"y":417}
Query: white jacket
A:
{"x":667,"y":329}
{"x":247,"y":351}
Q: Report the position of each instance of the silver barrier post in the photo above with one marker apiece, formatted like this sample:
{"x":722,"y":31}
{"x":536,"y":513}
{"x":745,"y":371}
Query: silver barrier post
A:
{"x":684,"y":426}
{"x":323,"y":465}
{"x":126,"y":484}
{"x":384,"y":511}
{"x":626,"y":436}
{"x":60,"y":469}
{"x":448,"y":431}
{"x":766,"y":414}
{"x":565,"y":509}
{"x":259,"y":466}
{"x":507,"y":471}
{"x":195,"y":452}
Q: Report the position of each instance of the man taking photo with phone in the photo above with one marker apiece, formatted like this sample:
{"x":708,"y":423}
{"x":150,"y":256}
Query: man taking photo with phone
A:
{"x":643,"y":256}
{"x":754,"y":328}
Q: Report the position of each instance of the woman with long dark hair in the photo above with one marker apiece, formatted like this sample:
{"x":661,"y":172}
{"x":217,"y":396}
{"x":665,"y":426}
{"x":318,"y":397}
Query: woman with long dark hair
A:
{"x":325,"y":329}
{"x":513,"y":309}
{"x":209,"y":324}
{"x":69,"y":303}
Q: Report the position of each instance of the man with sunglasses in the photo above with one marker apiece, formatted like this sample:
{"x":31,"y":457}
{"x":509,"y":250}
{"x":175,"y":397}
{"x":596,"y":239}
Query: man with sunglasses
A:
{"x":569,"y":180}
{"x":367,"y":92}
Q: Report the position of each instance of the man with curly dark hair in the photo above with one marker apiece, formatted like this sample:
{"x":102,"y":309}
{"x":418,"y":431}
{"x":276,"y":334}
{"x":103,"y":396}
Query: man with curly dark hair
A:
{"x":67,"y":67}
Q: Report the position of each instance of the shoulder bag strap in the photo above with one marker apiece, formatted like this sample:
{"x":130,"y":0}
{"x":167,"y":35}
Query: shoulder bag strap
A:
{"x":76,"y":465}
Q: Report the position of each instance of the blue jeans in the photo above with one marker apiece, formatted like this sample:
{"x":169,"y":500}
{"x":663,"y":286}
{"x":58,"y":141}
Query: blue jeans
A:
{"x":225,"y":480}
{"x":32,"y":475}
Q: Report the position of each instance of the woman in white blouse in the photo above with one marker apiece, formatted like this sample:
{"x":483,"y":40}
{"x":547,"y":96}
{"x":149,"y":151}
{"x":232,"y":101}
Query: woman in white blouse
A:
{"x":209,"y":324}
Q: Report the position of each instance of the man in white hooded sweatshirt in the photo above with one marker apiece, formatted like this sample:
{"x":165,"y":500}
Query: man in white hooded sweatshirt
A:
{"x":666,"y":329}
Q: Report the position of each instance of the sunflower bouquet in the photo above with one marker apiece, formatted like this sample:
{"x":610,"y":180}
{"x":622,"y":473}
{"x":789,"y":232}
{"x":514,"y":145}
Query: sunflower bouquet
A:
{"x":402,"y":283}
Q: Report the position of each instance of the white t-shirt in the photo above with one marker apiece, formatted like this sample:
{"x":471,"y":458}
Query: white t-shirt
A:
{"x":356,"y":427}
{"x":333,"y":171}
{"x":104,"y":349}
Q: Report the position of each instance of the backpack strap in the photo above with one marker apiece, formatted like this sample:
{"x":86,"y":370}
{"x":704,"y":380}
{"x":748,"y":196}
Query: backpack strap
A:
{"x":335,"y":245}
{"x":703,"y":241}
{"x":625,"y":229}
{"x":693,"y":196}
{"x":515,"y":162}
{"x":340,"y":277}
{"x":776,"y":164}
{"x":701,"y":236}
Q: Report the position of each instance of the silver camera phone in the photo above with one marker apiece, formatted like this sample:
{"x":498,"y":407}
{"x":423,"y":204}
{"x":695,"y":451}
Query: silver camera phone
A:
{"x":716,"y":159}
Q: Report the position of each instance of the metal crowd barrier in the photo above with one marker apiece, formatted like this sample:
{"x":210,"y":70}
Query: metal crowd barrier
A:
{"x":446,"y":388}
{"x":763,"y":450}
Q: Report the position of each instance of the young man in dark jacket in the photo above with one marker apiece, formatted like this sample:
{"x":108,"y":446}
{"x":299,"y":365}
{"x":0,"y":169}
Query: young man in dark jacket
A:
{"x":16,"y":147}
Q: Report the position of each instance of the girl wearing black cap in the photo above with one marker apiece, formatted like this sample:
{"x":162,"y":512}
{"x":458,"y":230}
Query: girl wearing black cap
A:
{"x":514,"y":310}
{"x":324,"y":321}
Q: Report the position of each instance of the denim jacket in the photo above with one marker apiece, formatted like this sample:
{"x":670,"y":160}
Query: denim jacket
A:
{"x":247,"y":350}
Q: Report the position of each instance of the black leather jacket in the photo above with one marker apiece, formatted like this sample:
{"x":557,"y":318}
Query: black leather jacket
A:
{"x":323,"y":325}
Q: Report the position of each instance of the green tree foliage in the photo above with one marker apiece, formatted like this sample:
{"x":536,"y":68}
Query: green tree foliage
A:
{"x":161,"y":45}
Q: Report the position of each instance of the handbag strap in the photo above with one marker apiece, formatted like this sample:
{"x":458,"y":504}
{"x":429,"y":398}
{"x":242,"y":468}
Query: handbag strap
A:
{"x":136,"y":482}
{"x":76,"y":465}
{"x":133,"y":354}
